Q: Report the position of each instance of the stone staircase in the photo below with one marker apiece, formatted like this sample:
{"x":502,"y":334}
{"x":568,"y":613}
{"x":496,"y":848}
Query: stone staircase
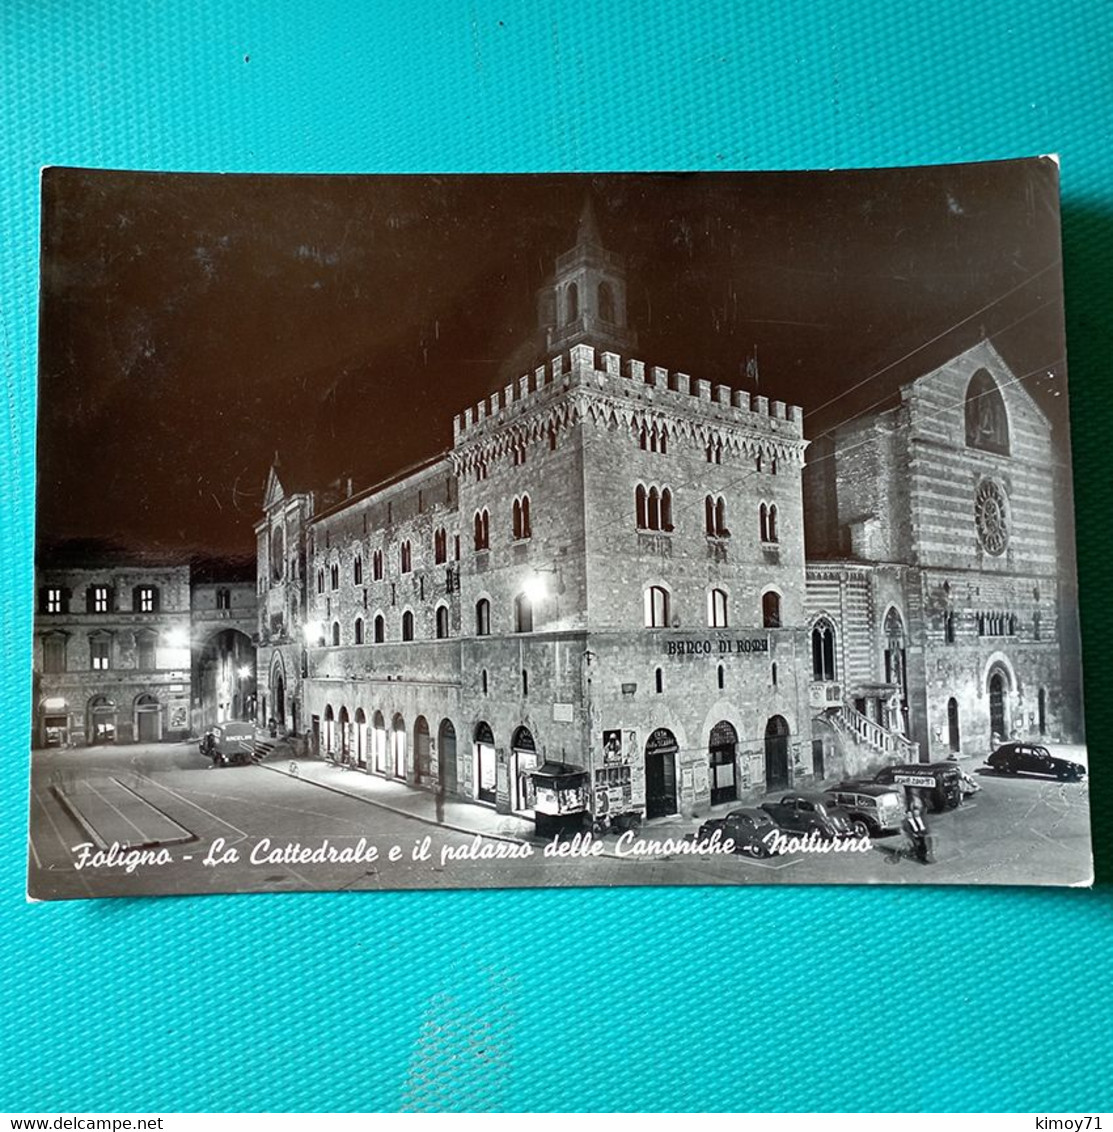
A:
{"x":871,"y":737}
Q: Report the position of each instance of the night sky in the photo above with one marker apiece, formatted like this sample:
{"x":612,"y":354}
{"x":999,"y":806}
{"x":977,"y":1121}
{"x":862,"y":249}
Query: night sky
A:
{"x":193,"y":325}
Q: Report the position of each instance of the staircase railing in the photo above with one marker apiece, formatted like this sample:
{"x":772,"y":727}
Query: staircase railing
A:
{"x":871,"y":734}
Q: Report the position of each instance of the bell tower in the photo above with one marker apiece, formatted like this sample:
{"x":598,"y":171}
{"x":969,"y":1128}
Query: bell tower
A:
{"x":585,"y":301}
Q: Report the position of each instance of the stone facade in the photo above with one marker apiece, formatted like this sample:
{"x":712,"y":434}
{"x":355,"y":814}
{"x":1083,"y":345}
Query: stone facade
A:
{"x":120,"y":649}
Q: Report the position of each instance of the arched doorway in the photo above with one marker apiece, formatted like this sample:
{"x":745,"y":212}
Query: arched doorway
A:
{"x":998,"y":714}
{"x":423,"y":757}
{"x":278,"y":701}
{"x":776,"y":753}
{"x":361,"y":738}
{"x":953,"y":737}
{"x":523,"y":759}
{"x":345,"y":736}
{"x":329,"y":736}
{"x":486,"y":776}
{"x":148,"y":719}
{"x":660,"y":773}
{"x":55,"y":715}
{"x":225,"y":673}
{"x":398,"y":747}
{"x":722,"y":749}
{"x":103,"y":718}
{"x":378,"y":743}
{"x":446,"y":744}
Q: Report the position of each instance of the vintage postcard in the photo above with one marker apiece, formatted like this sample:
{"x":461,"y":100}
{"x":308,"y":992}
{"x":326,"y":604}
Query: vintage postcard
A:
{"x":483,"y":531}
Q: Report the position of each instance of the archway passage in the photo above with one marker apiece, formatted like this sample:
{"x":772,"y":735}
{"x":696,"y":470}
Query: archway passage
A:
{"x":523,"y":760}
{"x":378,"y":743}
{"x":776,"y":753}
{"x":361,"y":738}
{"x":998,"y":723}
{"x":345,"y":736}
{"x":660,"y":773}
{"x":103,"y":720}
{"x":486,"y":777}
{"x":398,"y":747}
{"x":148,"y":719}
{"x":446,"y":745}
{"x":953,"y":737}
{"x":225,"y":669}
{"x":423,"y":755}
{"x":722,"y":751}
{"x":278,"y":699}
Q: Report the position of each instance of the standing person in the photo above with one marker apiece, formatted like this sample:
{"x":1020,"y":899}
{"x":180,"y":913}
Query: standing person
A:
{"x":916,"y":829}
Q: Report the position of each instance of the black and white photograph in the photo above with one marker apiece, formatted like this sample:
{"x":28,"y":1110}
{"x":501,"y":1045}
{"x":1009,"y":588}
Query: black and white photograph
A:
{"x":481,"y":531}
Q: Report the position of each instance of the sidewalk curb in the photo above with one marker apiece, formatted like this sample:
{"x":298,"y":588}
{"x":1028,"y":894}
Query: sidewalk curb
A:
{"x":397,"y":810}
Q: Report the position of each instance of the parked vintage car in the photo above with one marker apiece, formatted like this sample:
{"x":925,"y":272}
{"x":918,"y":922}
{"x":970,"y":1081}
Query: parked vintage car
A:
{"x":803,"y":813}
{"x":1028,"y":758}
{"x":752,"y":831}
{"x":873,"y":809}
{"x":939,"y":783}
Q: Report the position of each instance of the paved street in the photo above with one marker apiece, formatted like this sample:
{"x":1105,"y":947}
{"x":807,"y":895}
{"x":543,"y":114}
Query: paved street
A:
{"x":166,"y":798}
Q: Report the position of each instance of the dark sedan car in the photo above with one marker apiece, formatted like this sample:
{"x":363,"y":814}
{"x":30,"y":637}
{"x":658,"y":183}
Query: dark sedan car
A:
{"x":752,"y":831}
{"x":803,"y":813}
{"x":1027,"y":758}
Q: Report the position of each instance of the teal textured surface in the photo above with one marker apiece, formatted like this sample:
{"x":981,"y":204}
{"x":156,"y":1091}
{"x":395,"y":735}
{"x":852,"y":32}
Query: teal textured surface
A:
{"x":447,"y":1000}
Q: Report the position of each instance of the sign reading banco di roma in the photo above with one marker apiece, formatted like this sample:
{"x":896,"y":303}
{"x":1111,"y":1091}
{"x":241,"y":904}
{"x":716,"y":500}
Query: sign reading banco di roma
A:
{"x":722,"y":647}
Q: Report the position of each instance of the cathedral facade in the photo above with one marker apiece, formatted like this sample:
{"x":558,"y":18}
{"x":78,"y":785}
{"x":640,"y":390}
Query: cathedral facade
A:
{"x":605,"y":576}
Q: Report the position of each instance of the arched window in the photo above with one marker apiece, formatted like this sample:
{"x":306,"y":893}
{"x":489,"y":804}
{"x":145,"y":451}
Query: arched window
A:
{"x":658,"y":681}
{"x":523,"y":614}
{"x":321,"y":581}
{"x":987,"y":423}
{"x":572,"y":303}
{"x":949,"y":627}
{"x":773,"y":533}
{"x":763,"y":515}
{"x":640,"y":507}
{"x":715,"y":514}
{"x":482,"y":618}
{"x":771,"y":609}
{"x":336,"y":633}
{"x":334,"y":576}
{"x":664,"y":441}
{"x":483,"y":681}
{"x":606,"y":302}
{"x":521,"y":518}
{"x":823,"y":650}
{"x":358,"y":634}
{"x":278,"y":553}
{"x":709,"y":514}
{"x":666,"y":510}
{"x":408,"y":625}
{"x":380,"y":629}
{"x":377,"y":566}
{"x":357,"y":570}
{"x":717,"y":609}
{"x":406,"y":556}
{"x":654,"y":508}
{"x":442,"y":622}
{"x":722,"y":677}
{"x":482,"y":530}
{"x":1036,"y":625}
{"x":656,"y":607}
{"x":525,"y":682}
{"x":440,"y":546}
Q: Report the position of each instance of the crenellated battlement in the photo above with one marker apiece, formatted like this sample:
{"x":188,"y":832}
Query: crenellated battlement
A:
{"x":584,"y":367}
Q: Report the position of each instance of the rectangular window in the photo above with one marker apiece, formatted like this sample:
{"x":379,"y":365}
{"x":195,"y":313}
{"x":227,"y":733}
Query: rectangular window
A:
{"x":99,"y":600}
{"x":53,"y":600}
{"x":146,"y":650}
{"x":54,"y":654}
{"x":100,"y":651}
{"x":146,"y":599}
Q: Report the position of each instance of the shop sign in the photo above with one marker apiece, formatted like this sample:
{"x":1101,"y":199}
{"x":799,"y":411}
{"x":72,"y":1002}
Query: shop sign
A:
{"x":724,"y":646}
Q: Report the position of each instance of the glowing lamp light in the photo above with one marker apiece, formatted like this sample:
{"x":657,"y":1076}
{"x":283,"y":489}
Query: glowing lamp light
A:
{"x":245,"y":671}
{"x":177,"y":639}
{"x":536,"y":589}
{"x":314,"y":631}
